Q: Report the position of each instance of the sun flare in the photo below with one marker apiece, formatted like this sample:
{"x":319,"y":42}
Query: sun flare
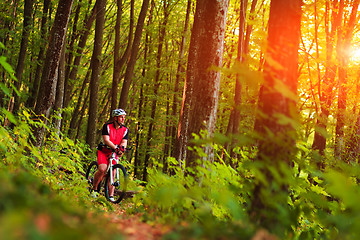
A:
{"x":355,"y":55}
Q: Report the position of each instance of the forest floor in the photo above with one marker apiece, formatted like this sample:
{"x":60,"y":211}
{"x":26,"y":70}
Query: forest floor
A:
{"x":133,"y":227}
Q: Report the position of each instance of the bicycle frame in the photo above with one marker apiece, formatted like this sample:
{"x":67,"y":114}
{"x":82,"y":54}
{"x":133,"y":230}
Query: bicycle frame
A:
{"x":110,"y":167}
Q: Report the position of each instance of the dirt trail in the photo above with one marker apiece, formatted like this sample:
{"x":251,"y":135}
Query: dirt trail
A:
{"x":134,"y":228}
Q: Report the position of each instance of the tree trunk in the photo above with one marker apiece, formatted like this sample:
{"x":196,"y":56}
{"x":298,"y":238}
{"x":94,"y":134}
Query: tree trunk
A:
{"x":277,"y":144}
{"x":95,"y":74}
{"x":73,"y":36}
{"x":202,"y":82}
{"x":59,"y":99}
{"x":50,"y":72}
{"x":116,"y":70}
{"x":180,"y":72}
{"x":143,"y":99}
{"x":236,"y":115}
{"x":34,"y":90}
{"x":249,"y":27}
{"x":79,"y":53}
{"x":162,"y":33}
{"x":81,"y":114}
{"x":134,"y":52}
{"x":327,"y":94}
{"x":28,"y":9}
{"x":167,"y":137}
{"x":119,"y":62}
{"x":344,"y":43}
{"x":75,"y":114}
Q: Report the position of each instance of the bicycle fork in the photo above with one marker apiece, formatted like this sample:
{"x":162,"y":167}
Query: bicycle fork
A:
{"x":110,"y":169}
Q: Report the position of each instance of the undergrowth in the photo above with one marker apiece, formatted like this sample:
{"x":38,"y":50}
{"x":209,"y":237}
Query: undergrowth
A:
{"x":43,"y":194}
{"x":317,"y":205}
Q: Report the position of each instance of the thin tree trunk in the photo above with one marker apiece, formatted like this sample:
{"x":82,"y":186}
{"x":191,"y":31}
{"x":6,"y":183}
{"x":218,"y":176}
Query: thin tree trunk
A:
{"x":134,"y":52}
{"x":96,"y":72}
{"x":167,"y":137}
{"x":344,"y":43}
{"x":79,"y":53}
{"x":9,"y":26}
{"x":59,"y":99}
{"x":34,"y":90}
{"x":143,"y":100}
{"x":119,"y":62}
{"x":82,"y":112}
{"x":238,"y":86}
{"x":162,"y":33}
{"x":137,"y":136}
{"x":74,"y":35}
{"x":327,"y":94}
{"x":28,"y":9}
{"x":176,"y":152}
{"x":75,"y":114}
{"x":249,"y":27}
{"x":116,"y":70}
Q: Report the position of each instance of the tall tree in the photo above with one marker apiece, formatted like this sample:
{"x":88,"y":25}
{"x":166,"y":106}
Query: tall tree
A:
{"x":96,"y":72}
{"x":59,"y":99}
{"x":344,"y":43}
{"x":119,"y":62}
{"x":84,"y":34}
{"x":50,"y":71}
{"x":202,"y":82}
{"x":277,"y":101}
{"x":179,"y":73}
{"x":234,"y":119}
{"x":328,"y":83}
{"x":134,"y":52}
{"x":28,"y":9}
{"x":34,"y":89}
{"x":143,"y":99}
{"x":76,"y":112}
{"x":162,"y":33}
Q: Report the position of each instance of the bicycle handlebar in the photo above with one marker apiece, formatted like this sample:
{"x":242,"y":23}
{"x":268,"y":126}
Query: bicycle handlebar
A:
{"x":126,"y":149}
{"x":102,"y":145}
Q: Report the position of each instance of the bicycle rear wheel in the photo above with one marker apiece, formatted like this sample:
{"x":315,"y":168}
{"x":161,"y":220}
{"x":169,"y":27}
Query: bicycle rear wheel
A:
{"x":90,"y":173}
{"x":119,"y":183}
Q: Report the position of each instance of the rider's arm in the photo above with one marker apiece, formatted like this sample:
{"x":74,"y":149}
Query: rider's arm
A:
{"x":124,"y":140}
{"x":106,"y":140}
{"x":123,"y":143}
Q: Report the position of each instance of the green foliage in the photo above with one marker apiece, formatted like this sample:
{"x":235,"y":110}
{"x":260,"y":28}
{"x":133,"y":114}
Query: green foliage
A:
{"x":43,"y":193}
{"x":209,"y":200}
{"x":213,"y":200}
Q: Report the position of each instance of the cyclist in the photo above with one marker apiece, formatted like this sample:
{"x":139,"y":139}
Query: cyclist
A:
{"x":114,"y":136}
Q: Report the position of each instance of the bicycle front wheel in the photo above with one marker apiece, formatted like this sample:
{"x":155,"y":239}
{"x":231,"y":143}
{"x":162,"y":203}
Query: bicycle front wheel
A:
{"x":119,"y":184}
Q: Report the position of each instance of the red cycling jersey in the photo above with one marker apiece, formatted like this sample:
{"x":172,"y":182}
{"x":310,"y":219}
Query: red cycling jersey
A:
{"x":115,"y":136}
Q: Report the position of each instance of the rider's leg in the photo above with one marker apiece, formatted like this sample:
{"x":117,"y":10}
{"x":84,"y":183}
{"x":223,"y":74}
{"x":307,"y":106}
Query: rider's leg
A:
{"x":102,"y":167}
{"x":111,"y":187}
{"x":100,"y":173}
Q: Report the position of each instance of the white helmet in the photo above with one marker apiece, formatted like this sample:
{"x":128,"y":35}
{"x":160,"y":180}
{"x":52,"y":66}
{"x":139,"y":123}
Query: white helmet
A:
{"x":118,"y":112}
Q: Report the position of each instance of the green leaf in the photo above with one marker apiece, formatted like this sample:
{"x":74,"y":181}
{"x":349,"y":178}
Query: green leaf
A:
{"x":10,"y":116}
{"x":5,"y":89}
{"x":7,"y":67}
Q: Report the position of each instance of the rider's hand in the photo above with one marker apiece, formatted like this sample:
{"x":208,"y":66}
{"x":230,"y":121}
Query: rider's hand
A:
{"x":120,"y":150}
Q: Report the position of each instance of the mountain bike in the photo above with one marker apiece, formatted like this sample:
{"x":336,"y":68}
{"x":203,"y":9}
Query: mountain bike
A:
{"x":118,"y":179}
